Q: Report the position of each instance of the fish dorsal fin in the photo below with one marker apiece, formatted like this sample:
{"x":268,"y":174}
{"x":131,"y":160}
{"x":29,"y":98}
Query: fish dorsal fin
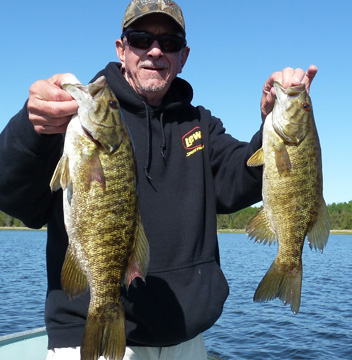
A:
{"x":257,"y":159}
{"x":73,"y":281}
{"x":319,"y":233}
{"x":260,"y":228}
{"x":61,"y":177}
{"x":139,"y":259}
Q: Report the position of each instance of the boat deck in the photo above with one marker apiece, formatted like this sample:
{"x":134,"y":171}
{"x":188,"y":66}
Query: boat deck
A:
{"x":31,"y":345}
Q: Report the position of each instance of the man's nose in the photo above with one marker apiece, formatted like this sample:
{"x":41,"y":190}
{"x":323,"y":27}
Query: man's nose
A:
{"x":155,"y":50}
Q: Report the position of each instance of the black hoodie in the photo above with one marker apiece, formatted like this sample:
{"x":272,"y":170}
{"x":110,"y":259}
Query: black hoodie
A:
{"x":188,"y":170}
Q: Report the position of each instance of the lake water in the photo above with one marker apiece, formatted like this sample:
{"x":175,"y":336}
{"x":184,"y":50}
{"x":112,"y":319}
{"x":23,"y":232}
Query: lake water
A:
{"x":246,"y":330}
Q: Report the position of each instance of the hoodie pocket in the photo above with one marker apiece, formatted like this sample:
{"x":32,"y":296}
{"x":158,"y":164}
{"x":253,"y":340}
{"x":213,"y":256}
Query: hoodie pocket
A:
{"x":176,"y":305}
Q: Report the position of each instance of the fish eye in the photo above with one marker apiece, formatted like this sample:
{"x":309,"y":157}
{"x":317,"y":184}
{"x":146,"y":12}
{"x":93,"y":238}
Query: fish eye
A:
{"x":113,"y":104}
{"x":306,"y":107}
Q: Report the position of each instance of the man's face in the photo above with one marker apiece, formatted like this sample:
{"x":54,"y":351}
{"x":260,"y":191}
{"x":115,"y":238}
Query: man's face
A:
{"x":151,"y":71}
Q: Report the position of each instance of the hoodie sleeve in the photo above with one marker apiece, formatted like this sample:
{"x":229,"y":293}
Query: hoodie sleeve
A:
{"x":236,"y":185}
{"x":27,"y":162}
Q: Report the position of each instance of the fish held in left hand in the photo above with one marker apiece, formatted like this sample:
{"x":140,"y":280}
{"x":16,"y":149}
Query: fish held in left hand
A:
{"x":107,"y":244}
{"x":293,"y":203}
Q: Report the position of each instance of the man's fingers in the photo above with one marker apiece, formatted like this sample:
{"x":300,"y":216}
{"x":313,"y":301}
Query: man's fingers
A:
{"x":52,"y":109}
{"x":309,"y":76}
{"x":287,"y":77}
{"x":45,"y":125}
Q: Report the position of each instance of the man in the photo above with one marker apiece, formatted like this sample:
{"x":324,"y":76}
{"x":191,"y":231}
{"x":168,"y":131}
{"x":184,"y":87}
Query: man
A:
{"x":188,"y":169}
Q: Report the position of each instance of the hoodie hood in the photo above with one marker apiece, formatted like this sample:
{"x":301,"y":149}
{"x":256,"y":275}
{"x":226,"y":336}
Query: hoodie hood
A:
{"x":179,"y":95}
{"x":178,"y":98}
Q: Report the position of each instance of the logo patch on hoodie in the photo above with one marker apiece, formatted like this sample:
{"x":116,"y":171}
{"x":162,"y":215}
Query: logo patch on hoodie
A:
{"x":192,"y":141}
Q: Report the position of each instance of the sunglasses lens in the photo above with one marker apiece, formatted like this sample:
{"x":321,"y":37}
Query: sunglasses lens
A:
{"x":139,"y":40}
{"x":171,"y":43}
{"x":143,"y":40}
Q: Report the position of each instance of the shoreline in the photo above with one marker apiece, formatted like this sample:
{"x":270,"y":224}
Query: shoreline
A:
{"x":243,"y":231}
{"x":219,"y":231}
{"x":21,"y":228}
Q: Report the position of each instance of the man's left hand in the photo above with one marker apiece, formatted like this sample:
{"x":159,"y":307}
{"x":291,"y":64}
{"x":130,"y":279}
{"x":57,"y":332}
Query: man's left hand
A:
{"x":287,"y":77}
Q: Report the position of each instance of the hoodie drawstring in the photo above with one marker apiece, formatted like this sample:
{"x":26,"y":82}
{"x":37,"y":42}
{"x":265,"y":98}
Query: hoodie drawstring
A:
{"x":163,"y":145}
{"x":149,"y":142}
{"x":147,"y":163}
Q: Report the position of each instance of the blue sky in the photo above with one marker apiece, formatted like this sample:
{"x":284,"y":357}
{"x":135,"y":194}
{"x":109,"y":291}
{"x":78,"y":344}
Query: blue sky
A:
{"x":235,"y":46}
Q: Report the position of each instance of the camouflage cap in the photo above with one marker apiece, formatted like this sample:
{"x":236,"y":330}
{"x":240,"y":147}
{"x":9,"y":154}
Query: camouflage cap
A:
{"x":139,"y":8}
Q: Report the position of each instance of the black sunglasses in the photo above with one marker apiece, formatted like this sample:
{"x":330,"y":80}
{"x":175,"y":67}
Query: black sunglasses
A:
{"x":143,"y":40}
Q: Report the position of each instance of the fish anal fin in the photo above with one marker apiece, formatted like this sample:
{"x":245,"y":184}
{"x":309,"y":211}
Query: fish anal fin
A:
{"x":282,"y":283}
{"x":106,"y":332}
{"x":260,"y":228}
{"x":61,"y":177}
{"x":73,"y":281}
{"x":139,"y":259}
{"x":257,"y":159}
{"x":282,"y":159}
{"x":318,"y":235}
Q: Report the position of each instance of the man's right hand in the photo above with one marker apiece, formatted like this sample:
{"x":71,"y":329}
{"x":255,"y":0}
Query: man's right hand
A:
{"x":50,"y":108}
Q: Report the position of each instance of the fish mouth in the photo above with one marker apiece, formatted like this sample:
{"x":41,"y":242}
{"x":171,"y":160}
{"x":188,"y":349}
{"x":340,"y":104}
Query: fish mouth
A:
{"x":291,"y":91}
{"x":287,"y":106}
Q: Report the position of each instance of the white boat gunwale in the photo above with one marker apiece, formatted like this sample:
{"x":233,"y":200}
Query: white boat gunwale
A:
{"x":8,"y":344}
{"x":23,"y":335}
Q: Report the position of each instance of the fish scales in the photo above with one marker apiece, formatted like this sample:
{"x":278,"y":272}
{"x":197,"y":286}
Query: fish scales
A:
{"x":293,"y":204}
{"x":100,"y":217}
{"x":107,"y":244}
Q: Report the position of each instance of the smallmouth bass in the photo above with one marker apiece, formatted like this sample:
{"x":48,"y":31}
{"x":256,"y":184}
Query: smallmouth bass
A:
{"x":293,"y":203}
{"x":107,"y":244}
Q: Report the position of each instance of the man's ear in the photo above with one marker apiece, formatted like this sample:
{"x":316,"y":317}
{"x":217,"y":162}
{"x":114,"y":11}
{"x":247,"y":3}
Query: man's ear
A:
{"x":120,"y":51}
{"x":184,"y":57}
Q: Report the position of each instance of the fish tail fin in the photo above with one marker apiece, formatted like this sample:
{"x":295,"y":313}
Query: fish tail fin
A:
{"x":282,"y":283}
{"x":105,"y":332}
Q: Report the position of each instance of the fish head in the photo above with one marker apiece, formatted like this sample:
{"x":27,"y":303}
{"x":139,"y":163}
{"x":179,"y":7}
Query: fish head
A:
{"x":292,"y":113}
{"x":99,"y":113}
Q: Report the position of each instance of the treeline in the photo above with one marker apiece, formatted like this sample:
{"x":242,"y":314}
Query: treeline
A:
{"x":9,"y":221}
{"x":340,"y":216}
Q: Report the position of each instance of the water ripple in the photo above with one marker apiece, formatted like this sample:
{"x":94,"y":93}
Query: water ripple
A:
{"x":321,"y":330}
{"x":246,"y":330}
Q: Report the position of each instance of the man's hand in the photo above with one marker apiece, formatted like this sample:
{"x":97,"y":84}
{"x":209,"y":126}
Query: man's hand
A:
{"x":287,"y":77}
{"x":50,"y":108}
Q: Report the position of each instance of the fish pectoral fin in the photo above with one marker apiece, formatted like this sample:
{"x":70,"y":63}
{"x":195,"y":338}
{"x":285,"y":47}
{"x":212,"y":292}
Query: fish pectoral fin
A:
{"x":257,"y":159}
{"x":282,"y":159}
{"x":139,"y":259}
{"x":318,"y":235}
{"x":61,"y":177}
{"x":95,"y":171}
{"x":73,"y":281}
{"x":260,"y":228}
